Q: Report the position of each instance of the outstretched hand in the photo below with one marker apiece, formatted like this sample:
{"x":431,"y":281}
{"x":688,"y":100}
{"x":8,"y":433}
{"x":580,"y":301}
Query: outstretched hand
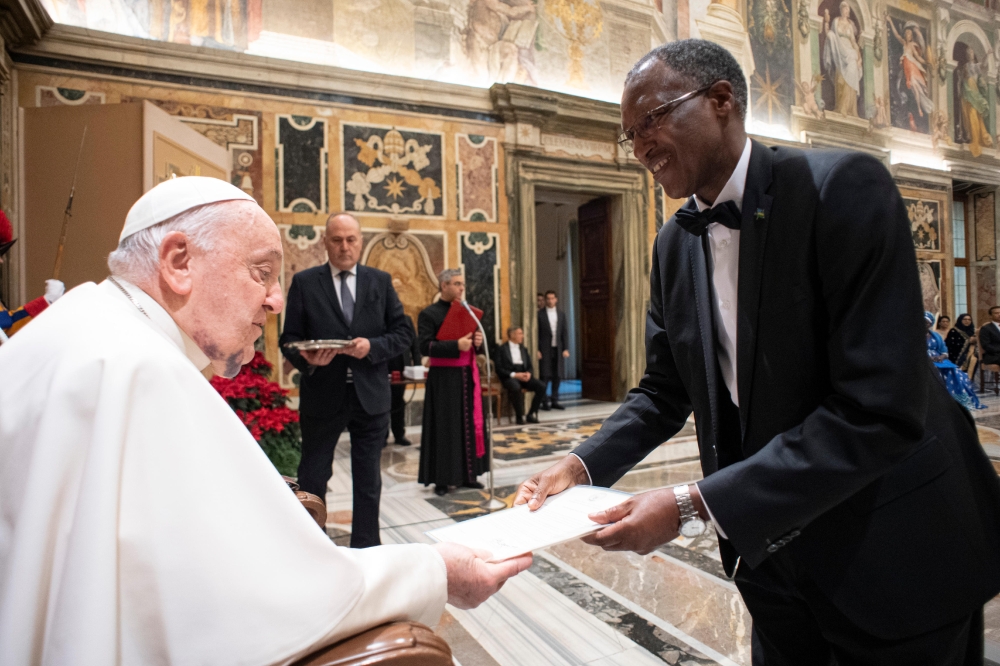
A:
{"x":471,"y":578}
{"x":642,"y":523}
{"x":566,"y":473}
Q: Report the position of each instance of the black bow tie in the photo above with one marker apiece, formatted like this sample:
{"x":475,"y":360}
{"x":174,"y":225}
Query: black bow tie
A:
{"x":695,"y":222}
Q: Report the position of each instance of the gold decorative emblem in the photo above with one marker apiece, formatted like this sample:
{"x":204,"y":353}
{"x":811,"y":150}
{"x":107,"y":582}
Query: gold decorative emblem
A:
{"x":581,"y":23}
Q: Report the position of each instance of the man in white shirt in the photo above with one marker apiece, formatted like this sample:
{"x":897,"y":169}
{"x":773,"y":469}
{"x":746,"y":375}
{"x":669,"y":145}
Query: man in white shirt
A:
{"x":140,"y":523}
{"x":553,"y":347}
{"x":515,"y":372}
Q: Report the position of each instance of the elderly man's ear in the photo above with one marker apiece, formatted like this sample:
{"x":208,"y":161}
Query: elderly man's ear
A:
{"x":175,"y":263}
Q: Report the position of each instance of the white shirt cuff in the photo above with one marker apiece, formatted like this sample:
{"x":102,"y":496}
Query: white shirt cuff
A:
{"x":718,"y":528}
{"x":590,"y":481}
{"x":512,"y":374}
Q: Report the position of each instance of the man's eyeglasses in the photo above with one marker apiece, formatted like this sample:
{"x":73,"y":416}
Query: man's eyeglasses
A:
{"x":645,"y":126}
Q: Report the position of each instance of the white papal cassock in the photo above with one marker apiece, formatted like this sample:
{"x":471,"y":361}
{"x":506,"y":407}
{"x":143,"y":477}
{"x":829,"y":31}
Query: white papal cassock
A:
{"x":140,"y":523}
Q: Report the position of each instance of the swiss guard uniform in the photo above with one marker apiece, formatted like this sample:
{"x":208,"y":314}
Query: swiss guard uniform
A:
{"x":12,"y":320}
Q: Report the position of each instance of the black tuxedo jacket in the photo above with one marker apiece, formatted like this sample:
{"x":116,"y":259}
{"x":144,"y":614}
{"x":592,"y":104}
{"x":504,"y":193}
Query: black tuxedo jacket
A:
{"x":545,"y":337}
{"x":989,"y":343}
{"x":850,"y":454}
{"x":312,"y":312}
{"x":505,"y":362}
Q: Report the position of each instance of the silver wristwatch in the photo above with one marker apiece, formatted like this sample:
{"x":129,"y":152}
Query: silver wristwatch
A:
{"x":691,"y":523}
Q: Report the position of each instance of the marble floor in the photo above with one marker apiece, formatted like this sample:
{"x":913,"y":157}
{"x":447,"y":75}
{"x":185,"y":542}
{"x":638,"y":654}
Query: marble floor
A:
{"x":578,"y":604}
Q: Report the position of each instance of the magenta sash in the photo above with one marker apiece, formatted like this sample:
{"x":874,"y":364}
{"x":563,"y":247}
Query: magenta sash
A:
{"x":469,"y":358}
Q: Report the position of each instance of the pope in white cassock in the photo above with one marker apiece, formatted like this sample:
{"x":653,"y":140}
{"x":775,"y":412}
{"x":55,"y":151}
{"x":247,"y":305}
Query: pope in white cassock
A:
{"x":140,"y":522}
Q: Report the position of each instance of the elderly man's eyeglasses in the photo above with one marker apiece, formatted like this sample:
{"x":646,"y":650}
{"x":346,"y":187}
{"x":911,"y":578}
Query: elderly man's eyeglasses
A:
{"x":645,"y":126}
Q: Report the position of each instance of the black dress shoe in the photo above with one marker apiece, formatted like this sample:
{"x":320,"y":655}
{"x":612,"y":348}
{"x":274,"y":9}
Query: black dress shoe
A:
{"x":532,"y":418}
{"x":546,"y":407}
{"x":556,"y":405}
{"x":403,"y":442}
{"x":440,"y":490}
{"x":520,"y":420}
{"x":473,"y":484}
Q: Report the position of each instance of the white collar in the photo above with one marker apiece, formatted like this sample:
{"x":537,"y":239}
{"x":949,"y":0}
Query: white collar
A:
{"x":513,"y":344}
{"x":353,"y":270}
{"x":734,"y":187}
{"x":159,"y":318}
{"x":548,"y":309}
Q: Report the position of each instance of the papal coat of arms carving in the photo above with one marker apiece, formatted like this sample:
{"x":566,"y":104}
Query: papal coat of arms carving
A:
{"x":392,"y":171}
{"x":924,"y":223}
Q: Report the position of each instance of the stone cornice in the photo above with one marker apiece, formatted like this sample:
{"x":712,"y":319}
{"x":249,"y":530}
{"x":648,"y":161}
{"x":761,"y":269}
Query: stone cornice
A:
{"x":23,"y":22}
{"x":556,"y":113}
{"x":132,"y":54}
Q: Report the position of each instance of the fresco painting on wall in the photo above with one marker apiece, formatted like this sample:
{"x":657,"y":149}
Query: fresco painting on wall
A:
{"x":772,"y":87}
{"x":910,"y":66}
{"x":971,"y":106}
{"x":499,"y":40}
{"x":394,"y":171}
{"x":841,"y":62}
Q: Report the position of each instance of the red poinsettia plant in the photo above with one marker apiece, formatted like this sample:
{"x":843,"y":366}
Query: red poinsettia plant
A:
{"x":262,"y":405}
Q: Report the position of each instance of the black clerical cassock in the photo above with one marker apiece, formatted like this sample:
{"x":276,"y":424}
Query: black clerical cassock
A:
{"x":452,"y":445}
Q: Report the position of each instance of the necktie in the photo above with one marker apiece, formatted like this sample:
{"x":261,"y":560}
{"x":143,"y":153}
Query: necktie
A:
{"x":346,"y":300}
{"x":695,"y":222}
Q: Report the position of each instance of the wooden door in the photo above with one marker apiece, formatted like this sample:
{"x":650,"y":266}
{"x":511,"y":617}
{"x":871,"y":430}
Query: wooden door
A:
{"x":597,"y":324}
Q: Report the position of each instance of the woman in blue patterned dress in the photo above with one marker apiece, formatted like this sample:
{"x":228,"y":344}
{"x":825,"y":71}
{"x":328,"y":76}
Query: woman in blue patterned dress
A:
{"x":957,"y":382}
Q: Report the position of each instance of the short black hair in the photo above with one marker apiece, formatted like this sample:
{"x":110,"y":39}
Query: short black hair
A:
{"x":511,"y":329}
{"x":701,"y":61}
{"x":995,"y":307}
{"x":551,"y":291}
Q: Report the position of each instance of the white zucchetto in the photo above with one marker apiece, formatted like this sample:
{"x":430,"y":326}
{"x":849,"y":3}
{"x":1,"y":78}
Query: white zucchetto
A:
{"x":174,"y":196}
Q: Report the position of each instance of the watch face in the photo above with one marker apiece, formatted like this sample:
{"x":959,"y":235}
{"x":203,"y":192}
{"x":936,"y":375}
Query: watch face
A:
{"x":692,"y":528}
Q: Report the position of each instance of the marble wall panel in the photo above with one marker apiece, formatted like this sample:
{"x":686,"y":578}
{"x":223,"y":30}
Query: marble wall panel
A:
{"x":660,"y":212}
{"x":387,"y":170}
{"x":56,"y":96}
{"x":301,"y":163}
{"x":477,"y":160}
{"x":404,"y":257}
{"x":986,"y":236}
{"x":925,"y":223}
{"x":986,"y":291}
{"x":480,"y":257}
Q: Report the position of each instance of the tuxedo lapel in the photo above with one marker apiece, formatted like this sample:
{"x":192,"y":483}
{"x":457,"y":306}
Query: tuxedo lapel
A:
{"x":326,"y":282}
{"x":753,"y":238}
{"x":706,"y":331}
{"x":362,"y":283}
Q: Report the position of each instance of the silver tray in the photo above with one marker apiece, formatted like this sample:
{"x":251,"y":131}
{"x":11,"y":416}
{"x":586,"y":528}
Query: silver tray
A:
{"x":313,"y":345}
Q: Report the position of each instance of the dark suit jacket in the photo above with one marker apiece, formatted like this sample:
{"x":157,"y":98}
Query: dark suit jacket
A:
{"x":410,"y":355}
{"x":989,"y":343}
{"x":545,"y":338}
{"x":312,"y":312}
{"x":505,"y":362}
{"x":854,"y":457}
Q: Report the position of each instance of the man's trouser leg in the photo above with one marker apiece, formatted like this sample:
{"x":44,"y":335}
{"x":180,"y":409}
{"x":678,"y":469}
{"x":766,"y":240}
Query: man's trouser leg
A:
{"x":398,"y":418}
{"x":368,"y":433}
{"x":794,"y":624}
{"x":319,"y":439}
{"x":538,"y":388}
{"x":554,"y":374}
{"x":513,"y":388}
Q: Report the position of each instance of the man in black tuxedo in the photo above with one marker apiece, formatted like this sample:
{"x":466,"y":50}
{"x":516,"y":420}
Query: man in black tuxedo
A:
{"x":514,"y":371}
{"x":989,"y":338}
{"x":553,"y":346}
{"x":345,"y":388}
{"x":833,"y":457}
{"x":397,"y":419}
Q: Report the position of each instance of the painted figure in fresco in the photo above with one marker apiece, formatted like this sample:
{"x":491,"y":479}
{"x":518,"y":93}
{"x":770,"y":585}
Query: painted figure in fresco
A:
{"x":971,"y":105}
{"x":842,"y":59}
{"x":499,"y":39}
{"x":913,"y":74}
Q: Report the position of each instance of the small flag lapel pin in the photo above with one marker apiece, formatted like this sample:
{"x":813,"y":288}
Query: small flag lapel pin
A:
{"x":759,"y":215}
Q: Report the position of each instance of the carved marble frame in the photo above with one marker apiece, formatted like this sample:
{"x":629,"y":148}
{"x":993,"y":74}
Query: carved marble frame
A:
{"x":629,"y":190}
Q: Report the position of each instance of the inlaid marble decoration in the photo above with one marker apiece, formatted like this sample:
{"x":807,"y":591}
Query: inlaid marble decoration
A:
{"x":480,"y":257}
{"x":404,"y":257}
{"x":477,"y":177}
{"x":55,"y":96}
{"x":237,"y":130}
{"x":300,"y":147}
{"x":986,"y":236}
{"x":303,"y":248}
{"x":925,"y":223}
{"x":986,"y":291}
{"x":389,"y":170}
{"x":930,"y":284}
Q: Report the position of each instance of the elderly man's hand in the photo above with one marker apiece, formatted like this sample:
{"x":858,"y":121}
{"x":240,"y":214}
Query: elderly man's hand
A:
{"x":564,"y":474}
{"x":471,"y":579}
{"x":641,"y":523}
{"x":358,"y":348}
{"x":319,"y":356}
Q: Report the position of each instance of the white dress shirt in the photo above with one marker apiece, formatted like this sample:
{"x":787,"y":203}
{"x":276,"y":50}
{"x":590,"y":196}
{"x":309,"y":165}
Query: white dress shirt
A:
{"x":553,"y":323}
{"x":515,"y":355}
{"x":352,"y":283}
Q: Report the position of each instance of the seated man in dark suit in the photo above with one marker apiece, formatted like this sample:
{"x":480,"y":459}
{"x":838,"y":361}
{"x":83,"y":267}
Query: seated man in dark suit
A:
{"x":514,"y":371}
{"x":989,"y":338}
{"x":345,"y":388}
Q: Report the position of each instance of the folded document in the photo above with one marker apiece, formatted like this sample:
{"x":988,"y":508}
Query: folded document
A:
{"x":516,"y":531}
